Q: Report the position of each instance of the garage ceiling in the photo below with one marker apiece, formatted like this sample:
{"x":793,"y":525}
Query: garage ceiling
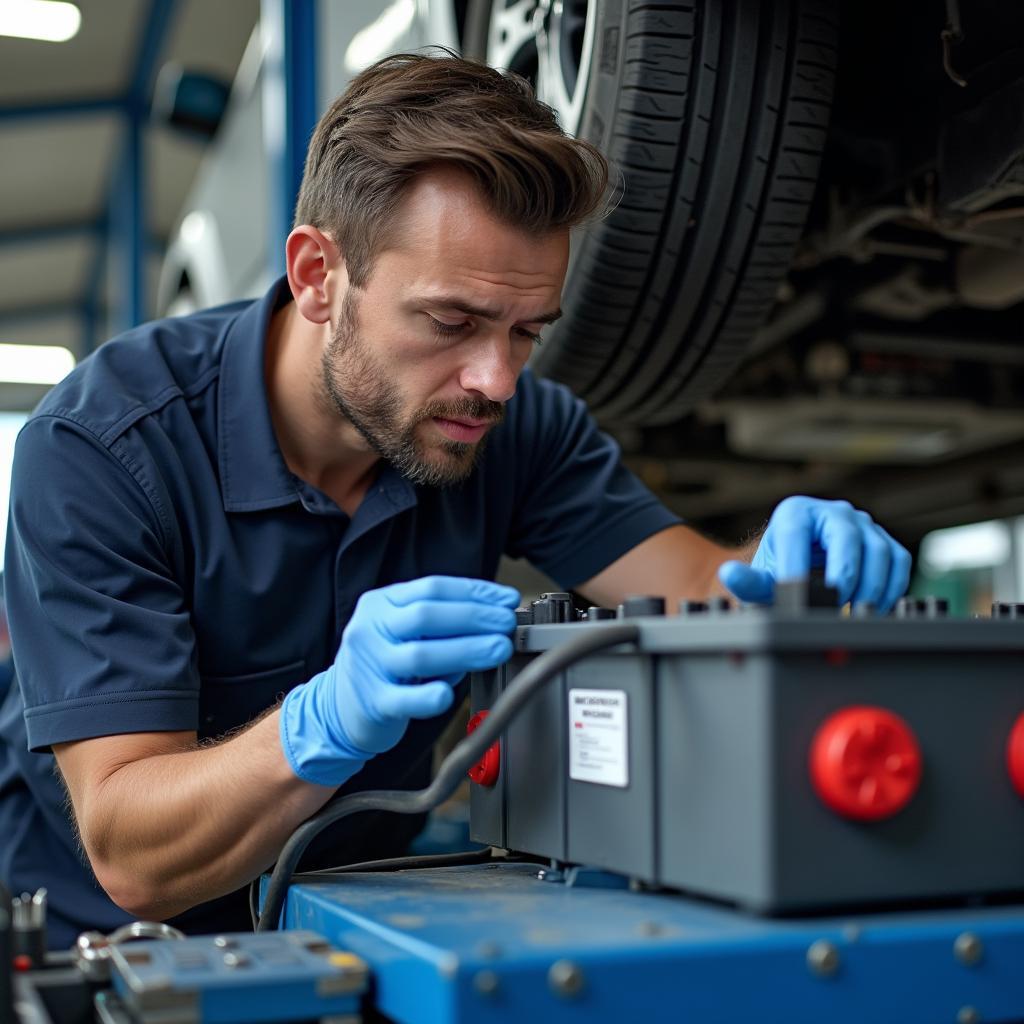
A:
{"x":63,"y":127}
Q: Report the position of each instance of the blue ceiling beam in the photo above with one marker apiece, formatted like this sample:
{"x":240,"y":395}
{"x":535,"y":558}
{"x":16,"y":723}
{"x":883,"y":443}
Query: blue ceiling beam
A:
{"x":122,"y":231}
{"x":127,"y":218}
{"x":127,"y":208}
{"x":63,"y":232}
{"x":158,"y":23}
{"x":63,"y":108}
{"x":67,"y":231}
{"x":290,"y":109}
{"x":23,"y":316}
{"x":94,"y":298}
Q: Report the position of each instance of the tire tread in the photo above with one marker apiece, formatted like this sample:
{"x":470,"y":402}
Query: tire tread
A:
{"x":636,"y":356}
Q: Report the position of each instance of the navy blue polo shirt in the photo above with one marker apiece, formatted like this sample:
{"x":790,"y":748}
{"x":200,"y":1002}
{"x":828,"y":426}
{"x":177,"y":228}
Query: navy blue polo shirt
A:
{"x":166,"y":571}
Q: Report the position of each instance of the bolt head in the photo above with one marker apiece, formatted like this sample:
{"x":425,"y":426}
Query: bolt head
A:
{"x":565,"y":978}
{"x":967,"y":1015}
{"x":823,"y":958}
{"x":486,"y":983}
{"x":968,"y":949}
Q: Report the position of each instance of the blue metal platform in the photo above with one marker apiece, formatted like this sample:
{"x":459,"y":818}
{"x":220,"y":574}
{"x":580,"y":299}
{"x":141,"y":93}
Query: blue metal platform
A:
{"x":490,"y":943}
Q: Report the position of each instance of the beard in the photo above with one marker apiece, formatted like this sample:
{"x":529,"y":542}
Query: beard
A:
{"x":359,"y":389}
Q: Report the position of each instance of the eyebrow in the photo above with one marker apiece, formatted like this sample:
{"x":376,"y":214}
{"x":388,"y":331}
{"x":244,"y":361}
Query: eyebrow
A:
{"x":484,"y":312}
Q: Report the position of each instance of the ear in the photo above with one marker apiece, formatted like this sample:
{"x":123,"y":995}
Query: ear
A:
{"x":316,"y":272}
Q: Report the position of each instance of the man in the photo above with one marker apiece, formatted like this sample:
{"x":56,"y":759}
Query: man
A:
{"x":305,"y":498}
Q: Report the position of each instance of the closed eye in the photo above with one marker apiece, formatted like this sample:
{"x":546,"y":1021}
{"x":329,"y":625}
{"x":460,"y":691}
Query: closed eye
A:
{"x":447,"y":330}
{"x":450,"y":330}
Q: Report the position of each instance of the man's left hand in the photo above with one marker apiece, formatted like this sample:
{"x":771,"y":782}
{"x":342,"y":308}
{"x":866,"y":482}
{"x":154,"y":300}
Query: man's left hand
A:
{"x":861,"y":560}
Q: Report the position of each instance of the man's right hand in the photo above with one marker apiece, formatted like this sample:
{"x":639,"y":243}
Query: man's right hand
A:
{"x":404,"y":649}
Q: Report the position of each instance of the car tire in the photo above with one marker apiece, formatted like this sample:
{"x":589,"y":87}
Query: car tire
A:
{"x":714,"y":116}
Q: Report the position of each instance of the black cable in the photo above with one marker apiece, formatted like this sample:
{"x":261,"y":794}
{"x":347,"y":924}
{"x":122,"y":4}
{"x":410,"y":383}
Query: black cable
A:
{"x":454,"y":767}
{"x":406,"y":863}
{"x":254,"y":913}
{"x":411,"y":863}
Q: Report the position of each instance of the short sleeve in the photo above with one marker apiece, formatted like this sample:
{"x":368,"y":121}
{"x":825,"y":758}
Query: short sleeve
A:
{"x":577,"y":507}
{"x":100,"y":630}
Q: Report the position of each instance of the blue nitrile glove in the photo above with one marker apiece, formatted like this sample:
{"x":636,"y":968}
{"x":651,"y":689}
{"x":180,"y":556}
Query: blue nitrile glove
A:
{"x":404,"y":649}
{"x":861,"y":560}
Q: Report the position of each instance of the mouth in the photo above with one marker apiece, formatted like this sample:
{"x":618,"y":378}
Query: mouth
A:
{"x":465,"y":430}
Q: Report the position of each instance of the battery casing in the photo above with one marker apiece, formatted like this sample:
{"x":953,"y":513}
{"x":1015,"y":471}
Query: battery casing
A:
{"x":720,"y":713}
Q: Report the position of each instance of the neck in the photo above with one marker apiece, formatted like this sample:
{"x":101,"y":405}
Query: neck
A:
{"x":318,"y":445}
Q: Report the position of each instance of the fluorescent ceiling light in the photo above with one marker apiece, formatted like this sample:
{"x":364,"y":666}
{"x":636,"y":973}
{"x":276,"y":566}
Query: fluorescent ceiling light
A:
{"x":34,"y":364}
{"x":50,"y":20}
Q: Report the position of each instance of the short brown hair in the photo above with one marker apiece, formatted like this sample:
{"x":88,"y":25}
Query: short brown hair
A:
{"x":410,"y":112}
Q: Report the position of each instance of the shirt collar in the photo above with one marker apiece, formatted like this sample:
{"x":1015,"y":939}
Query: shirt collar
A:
{"x":253,"y":472}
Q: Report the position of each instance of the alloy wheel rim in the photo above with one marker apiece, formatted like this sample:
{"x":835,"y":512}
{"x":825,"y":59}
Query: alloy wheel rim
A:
{"x":550,"y":43}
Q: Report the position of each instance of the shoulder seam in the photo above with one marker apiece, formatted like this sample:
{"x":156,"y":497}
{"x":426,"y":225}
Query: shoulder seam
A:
{"x":201,"y":382}
{"x":120,"y":458}
{"x":134,"y":414}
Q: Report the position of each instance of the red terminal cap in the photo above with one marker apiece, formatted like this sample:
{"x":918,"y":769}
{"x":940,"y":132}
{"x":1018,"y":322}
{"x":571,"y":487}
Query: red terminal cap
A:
{"x":1015,"y":754}
{"x":22,"y":962}
{"x":865,"y":763}
{"x":485,"y":771}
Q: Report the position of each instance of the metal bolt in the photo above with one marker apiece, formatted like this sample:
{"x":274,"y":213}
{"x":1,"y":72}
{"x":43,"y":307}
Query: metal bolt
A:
{"x":968,"y":949}
{"x":448,"y":966}
{"x":486,"y":983}
{"x":823,"y":958}
{"x":650,"y":929}
{"x":489,"y":950}
{"x":565,"y":978}
{"x":852,"y":932}
{"x":967,"y":1015}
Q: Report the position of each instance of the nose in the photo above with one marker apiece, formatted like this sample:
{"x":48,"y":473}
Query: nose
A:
{"x":492,"y":369}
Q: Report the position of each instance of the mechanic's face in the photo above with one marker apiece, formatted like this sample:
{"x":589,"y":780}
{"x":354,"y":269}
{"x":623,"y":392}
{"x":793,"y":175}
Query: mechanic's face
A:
{"x":424,"y":357}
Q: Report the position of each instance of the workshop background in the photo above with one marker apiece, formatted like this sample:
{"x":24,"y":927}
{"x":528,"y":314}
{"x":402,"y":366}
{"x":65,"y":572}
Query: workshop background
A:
{"x":810,"y":280}
{"x":124,"y":195}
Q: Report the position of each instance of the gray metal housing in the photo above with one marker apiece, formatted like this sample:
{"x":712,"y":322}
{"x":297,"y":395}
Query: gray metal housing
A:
{"x":722,"y":711}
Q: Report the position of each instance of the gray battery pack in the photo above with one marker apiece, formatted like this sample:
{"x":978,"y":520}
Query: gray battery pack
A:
{"x":787,"y":759}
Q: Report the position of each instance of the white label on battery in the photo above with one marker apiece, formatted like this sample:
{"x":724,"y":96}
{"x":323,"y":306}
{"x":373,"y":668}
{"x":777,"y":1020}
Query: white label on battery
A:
{"x":598,"y":743}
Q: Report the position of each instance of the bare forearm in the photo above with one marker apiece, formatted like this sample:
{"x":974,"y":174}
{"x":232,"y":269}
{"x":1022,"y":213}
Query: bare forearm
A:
{"x":675,"y":563}
{"x":706,"y":556}
{"x":743,"y":553}
{"x":173,"y":830}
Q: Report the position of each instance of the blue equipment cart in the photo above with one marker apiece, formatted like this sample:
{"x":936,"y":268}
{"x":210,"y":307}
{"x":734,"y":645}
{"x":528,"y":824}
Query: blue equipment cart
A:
{"x":493,"y":943}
